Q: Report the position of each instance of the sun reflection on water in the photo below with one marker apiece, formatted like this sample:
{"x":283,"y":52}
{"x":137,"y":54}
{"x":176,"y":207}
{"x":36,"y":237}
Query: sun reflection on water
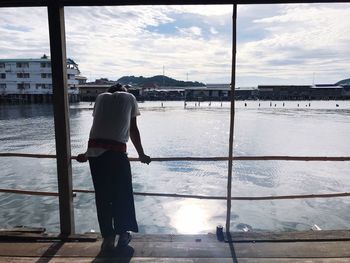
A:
{"x":190,"y":217}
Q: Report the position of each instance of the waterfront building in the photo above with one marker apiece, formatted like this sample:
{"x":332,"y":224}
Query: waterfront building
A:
{"x":81,"y":79}
{"x":89,"y":91}
{"x":303,"y":92}
{"x":163,"y":94}
{"x":222,"y":92}
{"x":30,"y":80}
{"x":327,"y":91}
{"x":284,"y":92}
{"x":215,"y":92}
{"x":246,"y":93}
{"x":210,"y":92}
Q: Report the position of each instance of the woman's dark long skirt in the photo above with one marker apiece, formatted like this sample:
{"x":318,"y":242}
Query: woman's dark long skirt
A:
{"x":111,"y":175}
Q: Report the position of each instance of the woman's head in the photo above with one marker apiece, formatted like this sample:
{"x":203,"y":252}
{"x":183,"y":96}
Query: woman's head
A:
{"x":116,"y":87}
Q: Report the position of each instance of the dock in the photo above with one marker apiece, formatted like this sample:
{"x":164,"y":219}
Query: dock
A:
{"x":243,"y":247}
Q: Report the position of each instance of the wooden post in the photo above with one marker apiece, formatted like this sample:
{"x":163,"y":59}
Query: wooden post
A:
{"x":61,"y":115}
{"x":232,"y":119}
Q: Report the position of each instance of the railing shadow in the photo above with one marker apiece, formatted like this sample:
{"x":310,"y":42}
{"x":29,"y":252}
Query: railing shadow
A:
{"x":232,"y":248}
{"x":123,"y":255}
{"x":50,"y":252}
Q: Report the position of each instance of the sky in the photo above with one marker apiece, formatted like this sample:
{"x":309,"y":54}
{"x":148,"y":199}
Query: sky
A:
{"x":276,"y":44}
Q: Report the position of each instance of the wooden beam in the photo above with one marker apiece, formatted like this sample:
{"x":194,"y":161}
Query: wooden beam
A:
{"x":29,"y":3}
{"x":232,"y":118}
{"x":61,"y":115}
{"x":179,"y":251}
{"x":185,"y":2}
{"x":19,"y":236}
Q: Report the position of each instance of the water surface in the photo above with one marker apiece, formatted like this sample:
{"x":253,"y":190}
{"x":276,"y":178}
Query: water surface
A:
{"x":295,"y":129}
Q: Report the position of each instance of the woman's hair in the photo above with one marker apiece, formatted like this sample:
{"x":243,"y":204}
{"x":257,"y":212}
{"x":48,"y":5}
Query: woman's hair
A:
{"x":116,"y":87}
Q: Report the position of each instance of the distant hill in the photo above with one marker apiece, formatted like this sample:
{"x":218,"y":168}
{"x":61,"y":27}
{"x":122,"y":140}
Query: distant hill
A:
{"x":158,"y":81}
{"x":343,"y":82}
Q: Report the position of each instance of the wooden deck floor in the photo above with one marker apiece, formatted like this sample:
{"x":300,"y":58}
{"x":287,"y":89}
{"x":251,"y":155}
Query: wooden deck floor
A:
{"x":309,"y":246}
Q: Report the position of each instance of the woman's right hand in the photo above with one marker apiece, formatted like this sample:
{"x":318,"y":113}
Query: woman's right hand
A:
{"x":82,"y":158}
{"x":145,"y":158}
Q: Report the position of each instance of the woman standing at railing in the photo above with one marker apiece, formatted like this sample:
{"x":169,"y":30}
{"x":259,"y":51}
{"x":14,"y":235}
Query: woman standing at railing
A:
{"x":115,"y":115}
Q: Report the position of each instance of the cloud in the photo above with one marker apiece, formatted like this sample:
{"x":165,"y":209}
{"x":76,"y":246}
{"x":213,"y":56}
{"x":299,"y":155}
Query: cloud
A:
{"x":20,"y":37}
{"x":213,"y":31}
{"x":205,"y":10}
{"x":125,"y":39}
{"x":298,"y":41}
{"x":191,"y":31}
{"x":276,"y":43}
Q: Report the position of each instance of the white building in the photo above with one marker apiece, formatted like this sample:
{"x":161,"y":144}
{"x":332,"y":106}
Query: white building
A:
{"x":22,"y":77}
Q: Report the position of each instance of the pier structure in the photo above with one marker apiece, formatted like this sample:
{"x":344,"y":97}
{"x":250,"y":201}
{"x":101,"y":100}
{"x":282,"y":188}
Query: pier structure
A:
{"x":222,"y":92}
{"x":318,"y":246}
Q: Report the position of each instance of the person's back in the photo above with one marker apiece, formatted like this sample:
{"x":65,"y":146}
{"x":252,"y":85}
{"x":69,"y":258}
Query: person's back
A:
{"x":112,"y":115}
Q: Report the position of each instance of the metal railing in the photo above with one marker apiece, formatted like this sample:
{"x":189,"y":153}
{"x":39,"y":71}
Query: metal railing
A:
{"x":215,"y":159}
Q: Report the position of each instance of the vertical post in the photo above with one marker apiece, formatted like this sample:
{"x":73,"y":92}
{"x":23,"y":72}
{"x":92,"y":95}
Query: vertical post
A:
{"x":232,"y":117}
{"x":61,"y":115}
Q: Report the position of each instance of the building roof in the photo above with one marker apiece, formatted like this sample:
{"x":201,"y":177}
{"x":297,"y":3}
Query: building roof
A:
{"x":25,"y":60}
{"x":206,"y":88}
{"x":246,"y":88}
{"x":80,"y":77}
{"x":283,"y":86}
{"x":326,"y":86}
{"x":218,"y":85}
{"x":92,"y":86}
{"x":71,"y":61}
{"x":4,"y":60}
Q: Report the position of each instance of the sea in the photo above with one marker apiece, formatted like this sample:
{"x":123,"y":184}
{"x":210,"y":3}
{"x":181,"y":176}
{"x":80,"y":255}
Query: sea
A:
{"x":172,"y":129}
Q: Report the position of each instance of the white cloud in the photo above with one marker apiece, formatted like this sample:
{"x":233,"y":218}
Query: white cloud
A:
{"x":213,"y":31}
{"x":277,"y":43}
{"x":300,"y":41}
{"x":20,"y":36}
{"x":190,"y":31}
{"x":205,"y":10}
{"x":128,"y":48}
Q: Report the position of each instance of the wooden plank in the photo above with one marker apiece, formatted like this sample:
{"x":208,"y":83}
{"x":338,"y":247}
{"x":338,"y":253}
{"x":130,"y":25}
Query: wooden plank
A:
{"x":241,"y":250}
{"x":324,"y":235}
{"x":33,"y":237}
{"x":175,"y":238}
{"x":61,"y":115}
{"x":172,"y":260}
{"x":24,"y":229}
{"x":183,"y":250}
{"x":293,"y":236}
{"x":236,"y":237}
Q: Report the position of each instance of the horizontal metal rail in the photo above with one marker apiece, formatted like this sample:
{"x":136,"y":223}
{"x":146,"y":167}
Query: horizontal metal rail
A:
{"x":242,"y":198}
{"x":235,"y":158}
{"x":29,"y":192}
{"x":163,"y":159}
